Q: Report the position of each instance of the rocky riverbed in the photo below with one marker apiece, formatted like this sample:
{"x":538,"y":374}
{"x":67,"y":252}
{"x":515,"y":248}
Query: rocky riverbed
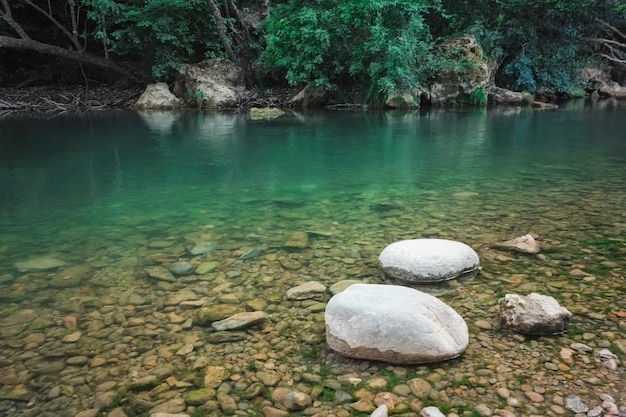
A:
{"x":115,"y":319}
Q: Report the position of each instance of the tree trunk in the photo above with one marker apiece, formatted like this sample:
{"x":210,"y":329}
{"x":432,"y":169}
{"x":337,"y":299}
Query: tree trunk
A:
{"x":221,"y":31}
{"x":76,"y":56}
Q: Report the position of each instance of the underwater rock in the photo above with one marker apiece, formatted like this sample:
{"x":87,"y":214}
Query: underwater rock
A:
{"x":297,"y":240}
{"x":180,"y":268}
{"x":395,"y":324}
{"x":524,"y":244}
{"x":240,"y":320}
{"x":160,"y":273}
{"x":39,"y":264}
{"x":70,"y":277}
{"x":427,"y":260}
{"x":265,"y":113}
{"x":202,"y":248}
{"x":306,"y":291}
{"x":252,"y":253}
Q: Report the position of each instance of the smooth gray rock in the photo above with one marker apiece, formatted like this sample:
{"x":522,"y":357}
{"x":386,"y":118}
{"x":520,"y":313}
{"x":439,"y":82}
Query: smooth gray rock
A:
{"x":393,"y":324}
{"x":427,"y":260}
{"x":534,"y":314}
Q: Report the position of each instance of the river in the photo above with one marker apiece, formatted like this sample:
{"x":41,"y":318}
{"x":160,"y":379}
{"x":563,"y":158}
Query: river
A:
{"x":92,"y":204}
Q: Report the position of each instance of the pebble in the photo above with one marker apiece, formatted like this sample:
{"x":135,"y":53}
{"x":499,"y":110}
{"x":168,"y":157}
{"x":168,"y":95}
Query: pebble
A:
{"x":129,"y":327}
{"x":72,"y":337}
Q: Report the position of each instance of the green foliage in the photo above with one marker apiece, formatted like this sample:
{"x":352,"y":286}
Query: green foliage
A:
{"x":478,"y":97}
{"x":538,"y":43}
{"x":376,"y":44}
{"x":166,"y":33}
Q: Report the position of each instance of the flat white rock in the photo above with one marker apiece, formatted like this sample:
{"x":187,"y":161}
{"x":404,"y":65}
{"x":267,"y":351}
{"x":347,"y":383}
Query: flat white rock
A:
{"x":39,"y":264}
{"x":427,"y":260}
{"x":393,"y":324}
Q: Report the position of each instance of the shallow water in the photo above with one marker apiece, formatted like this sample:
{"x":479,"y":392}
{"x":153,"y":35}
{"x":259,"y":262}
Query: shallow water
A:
{"x":113,"y":191}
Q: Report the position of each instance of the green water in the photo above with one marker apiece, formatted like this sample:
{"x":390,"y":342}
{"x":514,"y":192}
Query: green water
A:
{"x":83,"y":177}
{"x":111,"y":190}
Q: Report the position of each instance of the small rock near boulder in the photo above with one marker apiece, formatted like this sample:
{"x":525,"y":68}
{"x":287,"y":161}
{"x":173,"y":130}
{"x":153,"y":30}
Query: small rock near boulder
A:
{"x":534,"y":314}
{"x":524,"y":244}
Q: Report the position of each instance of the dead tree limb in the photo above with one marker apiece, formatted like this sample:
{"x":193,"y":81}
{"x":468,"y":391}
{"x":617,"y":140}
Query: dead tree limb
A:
{"x":68,"y":54}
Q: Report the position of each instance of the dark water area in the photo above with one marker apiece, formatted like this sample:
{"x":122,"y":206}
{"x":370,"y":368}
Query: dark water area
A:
{"x":112,"y":191}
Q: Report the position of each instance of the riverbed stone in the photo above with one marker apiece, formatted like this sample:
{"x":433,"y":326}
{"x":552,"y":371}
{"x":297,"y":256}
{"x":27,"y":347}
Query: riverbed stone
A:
{"x":427,"y":260}
{"x":39,"y":264}
{"x":201,"y":248}
{"x":534,"y":314}
{"x":306,"y":291}
{"x":206,"y":267}
{"x":394,"y":324}
{"x":265,"y":113}
{"x":524,"y":244}
{"x":337,"y":287}
{"x":210,"y":313}
{"x":199,"y":396}
{"x":240,"y":320}
{"x":214,"y":375}
{"x":291,"y":399}
{"x":160,"y":273}
{"x":297,"y":240}
{"x":180,"y":268}
{"x":70,"y":277}
{"x":180,"y":296}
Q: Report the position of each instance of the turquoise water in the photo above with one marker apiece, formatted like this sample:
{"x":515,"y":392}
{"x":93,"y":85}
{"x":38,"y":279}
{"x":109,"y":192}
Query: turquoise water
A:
{"x":112,"y":191}
{"x":70,"y":176}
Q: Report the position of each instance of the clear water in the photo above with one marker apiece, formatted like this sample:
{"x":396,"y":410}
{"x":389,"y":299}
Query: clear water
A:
{"x":99,"y":188}
{"x":82,"y":177}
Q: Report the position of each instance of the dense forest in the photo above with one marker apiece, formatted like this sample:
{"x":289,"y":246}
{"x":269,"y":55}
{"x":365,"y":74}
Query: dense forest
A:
{"x":375,"y":46}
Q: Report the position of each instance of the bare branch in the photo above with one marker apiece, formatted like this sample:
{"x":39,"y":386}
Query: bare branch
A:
{"x":7,"y":16}
{"x":613,"y":28}
{"x":68,"y":54}
{"x":56,"y":23}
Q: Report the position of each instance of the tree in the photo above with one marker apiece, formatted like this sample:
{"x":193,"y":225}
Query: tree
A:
{"x":536,"y":43}
{"x":376,"y":44}
{"x":74,"y":44}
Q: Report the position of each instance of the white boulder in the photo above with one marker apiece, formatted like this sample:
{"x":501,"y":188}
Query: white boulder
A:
{"x":534,"y":314}
{"x":158,"y":96}
{"x":395,"y":324}
{"x":427,"y":260}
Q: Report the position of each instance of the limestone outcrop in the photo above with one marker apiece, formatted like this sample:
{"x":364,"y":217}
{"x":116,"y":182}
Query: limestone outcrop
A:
{"x":211,"y":84}
{"x":468,"y":84}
